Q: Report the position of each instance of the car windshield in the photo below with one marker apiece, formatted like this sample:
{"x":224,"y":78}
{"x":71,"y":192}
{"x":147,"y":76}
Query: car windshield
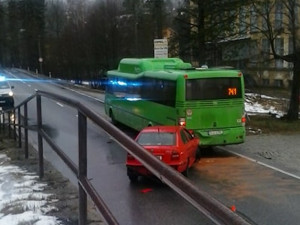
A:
{"x":154,"y":138}
{"x":4,"y":85}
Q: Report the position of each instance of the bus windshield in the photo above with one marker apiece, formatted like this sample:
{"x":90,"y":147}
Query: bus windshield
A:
{"x":213,"y":88}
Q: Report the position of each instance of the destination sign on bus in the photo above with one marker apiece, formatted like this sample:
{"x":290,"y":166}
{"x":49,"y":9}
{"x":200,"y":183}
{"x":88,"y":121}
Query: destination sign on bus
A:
{"x":232,"y":91}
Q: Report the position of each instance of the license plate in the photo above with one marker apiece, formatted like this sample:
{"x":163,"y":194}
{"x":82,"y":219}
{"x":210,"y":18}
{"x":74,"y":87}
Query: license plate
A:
{"x":215,"y":132}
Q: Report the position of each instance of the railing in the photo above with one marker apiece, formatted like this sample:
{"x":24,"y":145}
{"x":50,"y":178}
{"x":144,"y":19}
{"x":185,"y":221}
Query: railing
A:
{"x":207,"y":205}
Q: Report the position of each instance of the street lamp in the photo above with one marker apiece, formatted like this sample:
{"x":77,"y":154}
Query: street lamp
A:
{"x":40,"y":55}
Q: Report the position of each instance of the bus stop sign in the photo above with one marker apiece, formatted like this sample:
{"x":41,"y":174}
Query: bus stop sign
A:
{"x":160,"y":48}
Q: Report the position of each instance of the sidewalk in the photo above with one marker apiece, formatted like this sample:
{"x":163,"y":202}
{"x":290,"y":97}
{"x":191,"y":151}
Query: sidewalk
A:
{"x":25,"y":199}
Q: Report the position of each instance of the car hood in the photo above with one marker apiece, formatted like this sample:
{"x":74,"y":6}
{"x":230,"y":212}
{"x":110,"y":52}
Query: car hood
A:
{"x":5,"y":91}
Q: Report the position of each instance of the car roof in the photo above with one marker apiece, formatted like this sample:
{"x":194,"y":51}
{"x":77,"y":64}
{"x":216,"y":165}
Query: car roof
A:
{"x":161,"y":129}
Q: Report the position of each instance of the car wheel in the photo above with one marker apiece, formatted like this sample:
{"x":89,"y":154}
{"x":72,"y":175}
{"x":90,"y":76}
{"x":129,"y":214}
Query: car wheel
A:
{"x":112,"y":118}
{"x":186,"y":171}
{"x":205,"y":151}
{"x":133,"y":177}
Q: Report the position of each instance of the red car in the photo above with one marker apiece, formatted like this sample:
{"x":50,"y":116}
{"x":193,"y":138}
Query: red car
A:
{"x":174,"y":145}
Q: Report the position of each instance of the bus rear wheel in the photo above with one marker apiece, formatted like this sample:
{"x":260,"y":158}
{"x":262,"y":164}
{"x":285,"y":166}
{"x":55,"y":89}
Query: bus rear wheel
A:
{"x":205,"y":151}
{"x":198,"y":154}
{"x":112,"y":118}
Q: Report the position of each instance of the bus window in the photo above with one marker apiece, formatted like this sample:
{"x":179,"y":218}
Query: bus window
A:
{"x":213,"y":88}
{"x":160,"y":91}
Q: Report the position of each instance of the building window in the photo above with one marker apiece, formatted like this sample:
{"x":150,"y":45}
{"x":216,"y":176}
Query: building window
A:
{"x":291,"y":51}
{"x":265,"y":48}
{"x":253,"y":53}
{"x":293,"y":15}
{"x":253,"y":19}
{"x":278,"y":83}
{"x":242,"y":21}
{"x":266,"y":82}
{"x":233,"y":29}
{"x":265,"y":15}
{"x":278,"y":16}
{"x":279,"y":51}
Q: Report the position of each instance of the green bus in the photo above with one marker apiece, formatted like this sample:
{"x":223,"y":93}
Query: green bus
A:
{"x":167,"y":91}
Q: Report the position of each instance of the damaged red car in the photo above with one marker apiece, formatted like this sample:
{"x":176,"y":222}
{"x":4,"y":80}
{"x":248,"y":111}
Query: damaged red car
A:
{"x":174,"y":145}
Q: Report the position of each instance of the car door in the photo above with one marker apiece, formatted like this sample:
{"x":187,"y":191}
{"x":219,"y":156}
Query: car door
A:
{"x":189,"y":146}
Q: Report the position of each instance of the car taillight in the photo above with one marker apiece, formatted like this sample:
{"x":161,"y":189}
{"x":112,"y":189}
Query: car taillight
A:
{"x":174,"y":155}
{"x":182,"y":122}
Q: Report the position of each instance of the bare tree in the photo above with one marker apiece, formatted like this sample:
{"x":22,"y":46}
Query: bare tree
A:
{"x":2,"y":34}
{"x":201,"y":25}
{"x":55,"y":19}
{"x":281,"y":17}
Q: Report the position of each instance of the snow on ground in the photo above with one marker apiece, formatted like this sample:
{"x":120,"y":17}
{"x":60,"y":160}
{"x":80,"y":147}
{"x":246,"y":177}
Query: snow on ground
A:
{"x":263,"y":104}
{"x":22,"y":200}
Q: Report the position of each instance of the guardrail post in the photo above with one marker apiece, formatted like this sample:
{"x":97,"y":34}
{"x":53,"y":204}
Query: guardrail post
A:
{"x":40,"y":138}
{"x":26,"y":130}
{"x":1,"y":120}
{"x":14,"y":123}
{"x":9,"y":121}
{"x":82,"y":166}
{"x":19,"y":127}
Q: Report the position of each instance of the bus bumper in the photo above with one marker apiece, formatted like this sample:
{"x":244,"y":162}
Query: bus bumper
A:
{"x":226,"y":136}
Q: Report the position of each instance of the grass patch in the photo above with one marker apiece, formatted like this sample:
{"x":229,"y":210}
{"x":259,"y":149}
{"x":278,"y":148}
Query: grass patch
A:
{"x":270,"y":124}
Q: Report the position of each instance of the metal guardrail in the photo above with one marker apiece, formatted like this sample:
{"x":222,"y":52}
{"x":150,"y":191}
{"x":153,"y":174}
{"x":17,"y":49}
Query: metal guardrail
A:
{"x":206,"y":204}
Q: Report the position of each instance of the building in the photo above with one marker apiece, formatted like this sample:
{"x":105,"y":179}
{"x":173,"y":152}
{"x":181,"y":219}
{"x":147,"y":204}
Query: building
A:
{"x":250,"y":49}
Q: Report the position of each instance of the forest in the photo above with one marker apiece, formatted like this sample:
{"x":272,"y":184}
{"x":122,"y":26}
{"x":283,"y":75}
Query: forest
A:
{"x":79,"y":38}
{"x":82,"y":39}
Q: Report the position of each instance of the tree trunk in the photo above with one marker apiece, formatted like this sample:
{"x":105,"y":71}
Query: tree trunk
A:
{"x":293,"y":112}
{"x":200,"y":49}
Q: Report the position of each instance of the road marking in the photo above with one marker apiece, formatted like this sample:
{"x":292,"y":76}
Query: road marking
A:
{"x":263,"y":164}
{"x":86,"y":95}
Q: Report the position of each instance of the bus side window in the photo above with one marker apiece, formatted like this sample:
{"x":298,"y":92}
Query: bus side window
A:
{"x":159,"y":90}
{"x":170,"y":93}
